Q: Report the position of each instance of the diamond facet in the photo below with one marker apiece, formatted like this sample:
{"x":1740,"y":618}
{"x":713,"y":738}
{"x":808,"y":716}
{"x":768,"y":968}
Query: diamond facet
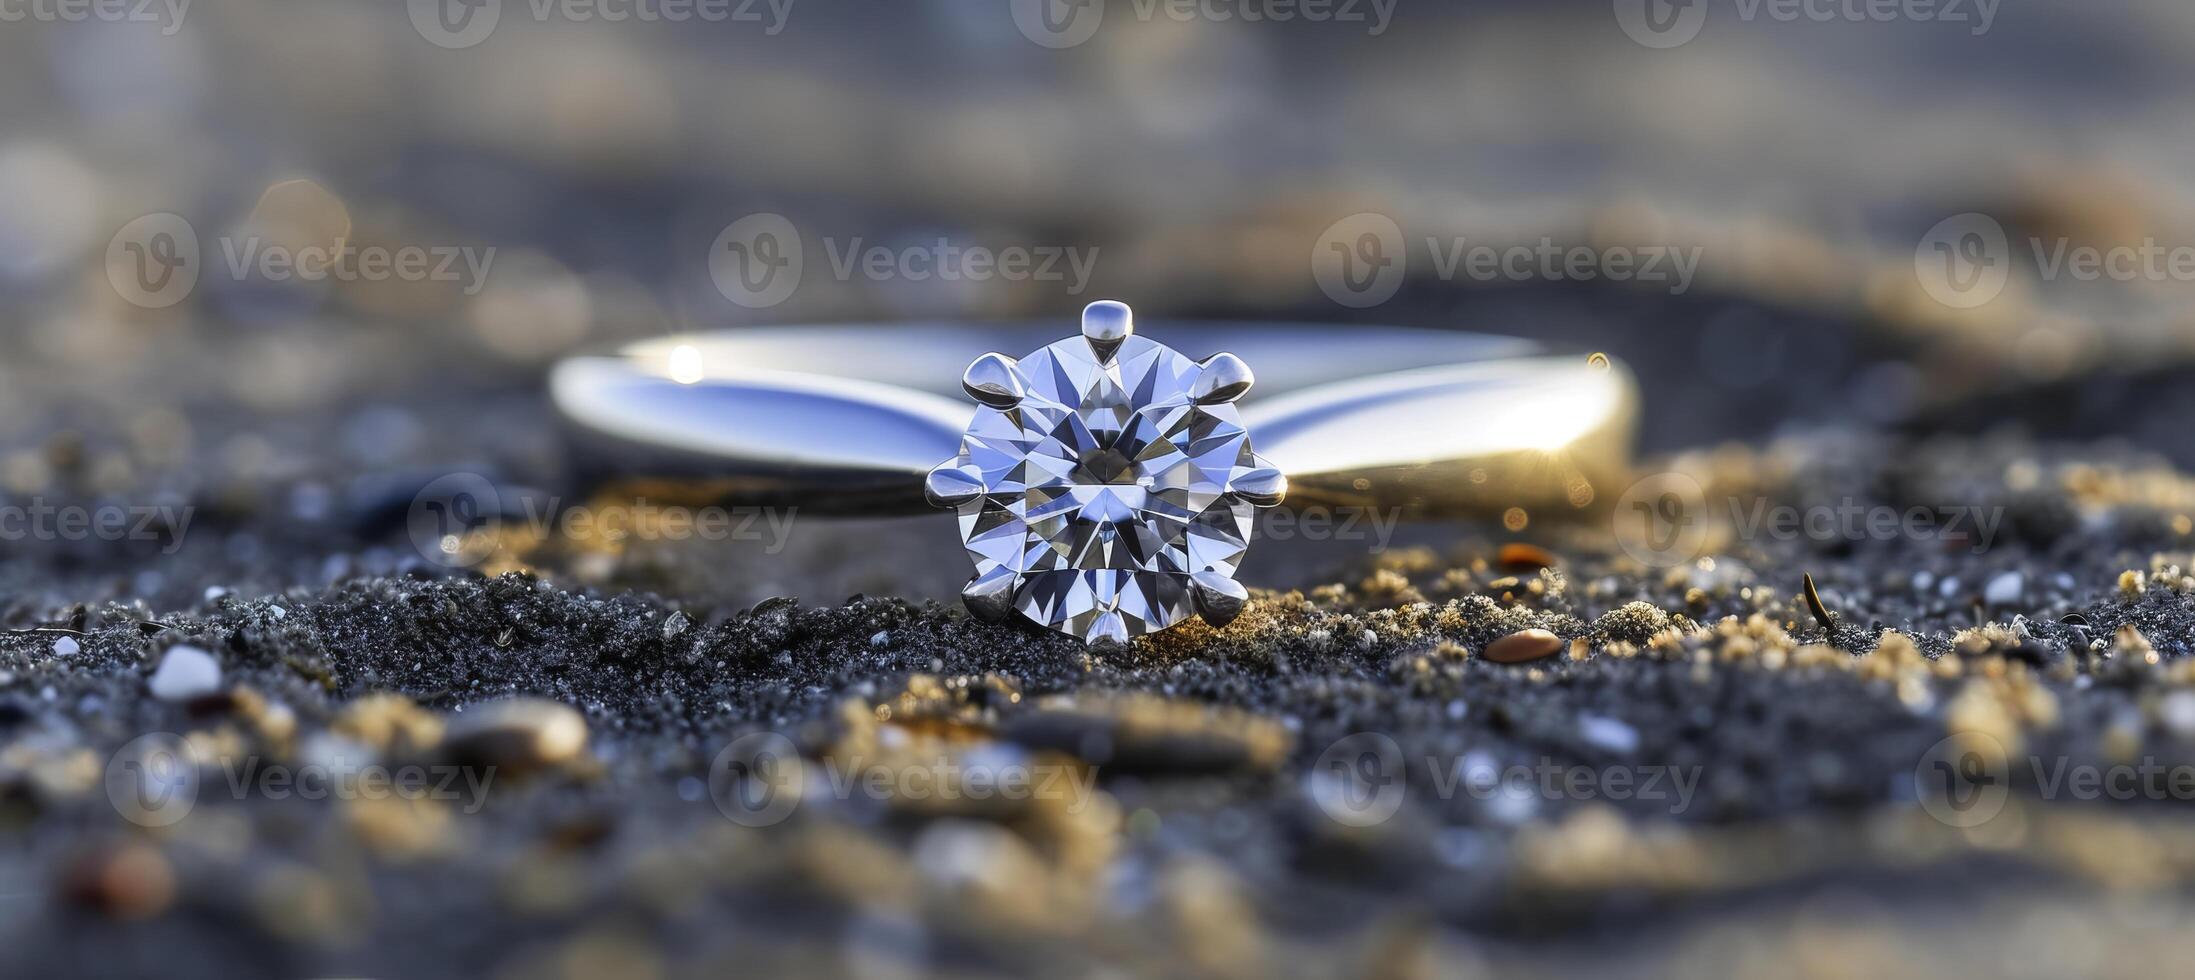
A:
{"x":1107,"y":489}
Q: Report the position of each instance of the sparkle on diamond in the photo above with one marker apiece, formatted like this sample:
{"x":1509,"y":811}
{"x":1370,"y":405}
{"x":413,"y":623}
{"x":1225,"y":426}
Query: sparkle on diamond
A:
{"x":1106,"y":488}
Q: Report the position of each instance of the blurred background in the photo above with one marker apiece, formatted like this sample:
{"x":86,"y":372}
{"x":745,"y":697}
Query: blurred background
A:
{"x":559,"y":176}
{"x":286,"y":263}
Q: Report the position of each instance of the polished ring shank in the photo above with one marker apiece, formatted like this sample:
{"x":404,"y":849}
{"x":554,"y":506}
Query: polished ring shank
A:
{"x":849,"y":418}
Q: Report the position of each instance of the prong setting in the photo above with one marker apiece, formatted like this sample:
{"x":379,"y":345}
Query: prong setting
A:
{"x":1109,"y":634}
{"x":1223,"y":379}
{"x":990,"y":596}
{"x":995,"y":380}
{"x":951,"y":484}
{"x":1217,"y":598}
{"x":1105,"y":324}
{"x":1262,"y":485}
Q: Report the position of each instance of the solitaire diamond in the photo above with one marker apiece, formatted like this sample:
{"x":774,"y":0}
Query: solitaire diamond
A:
{"x":1106,"y":484}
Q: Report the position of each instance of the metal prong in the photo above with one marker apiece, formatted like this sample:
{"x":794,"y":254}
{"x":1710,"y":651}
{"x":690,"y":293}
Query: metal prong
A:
{"x":990,"y":596}
{"x":951,"y":485}
{"x":1105,"y":324}
{"x":1263,"y":486}
{"x":1109,"y":634}
{"x":995,"y":380}
{"x":1224,"y":378}
{"x":1217,"y":598}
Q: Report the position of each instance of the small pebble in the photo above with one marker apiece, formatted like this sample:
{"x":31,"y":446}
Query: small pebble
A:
{"x":65,"y":647}
{"x":1612,"y":734}
{"x":127,"y":881}
{"x":1522,"y":646}
{"x":2003,"y":590}
{"x":185,"y":672}
{"x":522,"y":733}
{"x":2178,"y":713}
{"x":881,"y":638}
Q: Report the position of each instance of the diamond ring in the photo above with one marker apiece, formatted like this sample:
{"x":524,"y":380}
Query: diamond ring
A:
{"x":1107,"y":483}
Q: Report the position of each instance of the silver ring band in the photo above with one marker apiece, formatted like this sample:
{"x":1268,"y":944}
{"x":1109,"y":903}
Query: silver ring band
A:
{"x":848,"y":418}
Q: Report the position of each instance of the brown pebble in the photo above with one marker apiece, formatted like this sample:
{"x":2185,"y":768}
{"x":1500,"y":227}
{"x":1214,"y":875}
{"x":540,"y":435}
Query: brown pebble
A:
{"x":1522,"y":646}
{"x":1517,"y":556}
{"x":519,"y":733}
{"x":129,"y":881}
